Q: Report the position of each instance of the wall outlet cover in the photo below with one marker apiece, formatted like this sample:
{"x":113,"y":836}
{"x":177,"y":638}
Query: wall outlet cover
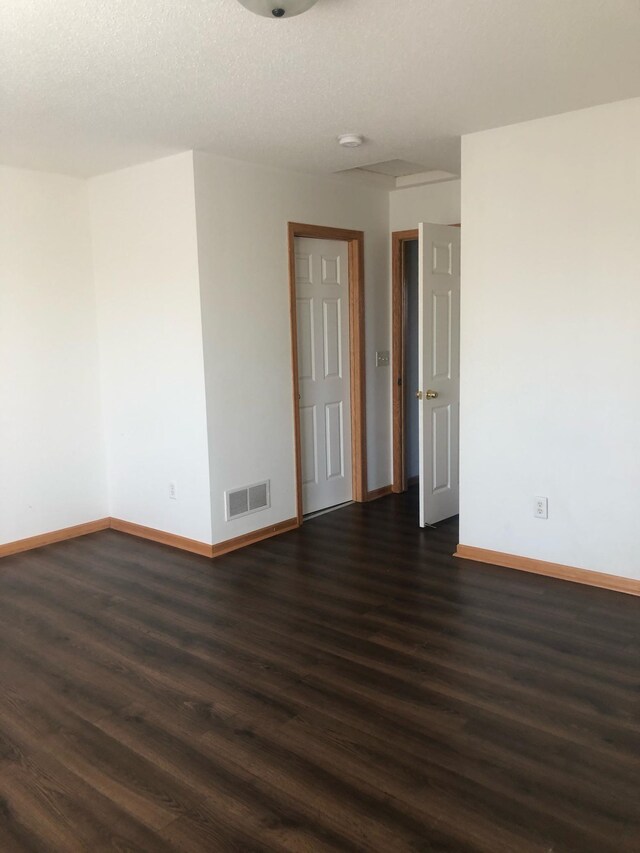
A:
{"x":541,"y":507}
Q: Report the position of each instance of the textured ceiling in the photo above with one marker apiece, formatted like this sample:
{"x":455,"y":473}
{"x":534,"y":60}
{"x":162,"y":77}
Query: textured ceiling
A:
{"x":91,"y":85}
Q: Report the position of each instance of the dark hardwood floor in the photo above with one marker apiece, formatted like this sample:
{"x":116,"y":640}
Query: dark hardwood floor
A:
{"x":348,"y":686}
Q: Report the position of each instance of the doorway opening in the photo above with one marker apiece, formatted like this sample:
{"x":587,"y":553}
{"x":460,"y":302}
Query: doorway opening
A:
{"x":326,"y":287}
{"x":404,"y":255}
{"x":426,"y":363}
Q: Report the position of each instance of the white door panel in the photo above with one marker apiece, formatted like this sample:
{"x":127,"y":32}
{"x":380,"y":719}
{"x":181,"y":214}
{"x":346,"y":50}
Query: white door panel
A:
{"x":306,"y":354}
{"x":439,"y":370}
{"x":322,"y":311}
{"x":308,"y":433}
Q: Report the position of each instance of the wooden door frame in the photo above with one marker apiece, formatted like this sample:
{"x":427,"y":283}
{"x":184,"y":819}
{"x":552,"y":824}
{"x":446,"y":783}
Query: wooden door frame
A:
{"x":355,"y":242}
{"x":399,"y":317}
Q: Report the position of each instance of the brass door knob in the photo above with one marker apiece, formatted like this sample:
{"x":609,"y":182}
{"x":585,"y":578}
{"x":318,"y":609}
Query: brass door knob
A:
{"x":431,"y":395}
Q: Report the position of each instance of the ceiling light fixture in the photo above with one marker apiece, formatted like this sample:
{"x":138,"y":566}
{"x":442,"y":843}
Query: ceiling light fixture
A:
{"x":277,"y":8}
{"x":351,"y":140}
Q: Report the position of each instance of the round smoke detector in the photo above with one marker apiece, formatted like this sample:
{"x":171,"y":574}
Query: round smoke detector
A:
{"x":350,"y":140}
{"x":278,"y":8}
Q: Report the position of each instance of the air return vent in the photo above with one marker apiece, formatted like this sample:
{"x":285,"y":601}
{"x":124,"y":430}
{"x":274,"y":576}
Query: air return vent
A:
{"x":247,"y":500}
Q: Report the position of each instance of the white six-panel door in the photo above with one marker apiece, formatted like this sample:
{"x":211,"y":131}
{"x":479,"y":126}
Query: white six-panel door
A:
{"x":322,"y":305}
{"x":439,"y":370}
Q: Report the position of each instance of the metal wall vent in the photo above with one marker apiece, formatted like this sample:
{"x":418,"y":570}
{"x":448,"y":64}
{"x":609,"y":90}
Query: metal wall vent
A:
{"x":248,"y":500}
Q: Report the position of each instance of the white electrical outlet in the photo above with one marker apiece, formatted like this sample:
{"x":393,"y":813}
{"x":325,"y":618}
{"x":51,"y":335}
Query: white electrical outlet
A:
{"x":173,"y":491}
{"x":541,"y":507}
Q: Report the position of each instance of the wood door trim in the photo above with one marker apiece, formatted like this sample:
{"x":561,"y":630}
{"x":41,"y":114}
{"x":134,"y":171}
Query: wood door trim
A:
{"x":355,"y":242}
{"x":379,"y":493}
{"x":551,"y":570}
{"x":398,"y":311}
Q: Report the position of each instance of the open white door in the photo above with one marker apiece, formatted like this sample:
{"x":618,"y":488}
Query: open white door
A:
{"x":439,"y":370}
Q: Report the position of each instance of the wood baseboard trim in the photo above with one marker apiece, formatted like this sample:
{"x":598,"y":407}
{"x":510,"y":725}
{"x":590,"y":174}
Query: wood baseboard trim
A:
{"x":161,"y":536}
{"x":379,"y":493}
{"x":552,"y":570}
{"x":54,"y":536}
{"x":201,"y":548}
{"x":142,"y":532}
{"x":255,"y":536}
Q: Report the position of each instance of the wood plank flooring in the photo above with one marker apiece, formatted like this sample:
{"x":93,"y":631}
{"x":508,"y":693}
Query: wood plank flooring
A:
{"x":345,"y":687}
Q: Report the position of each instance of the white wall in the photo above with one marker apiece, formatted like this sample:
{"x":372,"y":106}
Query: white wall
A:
{"x":149,"y":271}
{"x":437,"y":203}
{"x":51,"y":462}
{"x":152,"y":370}
{"x":243,"y":212}
{"x":550,"y":339}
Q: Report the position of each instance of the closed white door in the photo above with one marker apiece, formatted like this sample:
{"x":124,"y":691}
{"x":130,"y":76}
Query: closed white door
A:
{"x":439,"y":370}
{"x":322,"y":304}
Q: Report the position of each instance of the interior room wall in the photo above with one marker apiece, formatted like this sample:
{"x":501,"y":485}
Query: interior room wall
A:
{"x":243,"y":211}
{"x":150,"y":326}
{"x":52,"y":457}
{"x":437,"y":203}
{"x":140,"y":244}
{"x":550,"y":343}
